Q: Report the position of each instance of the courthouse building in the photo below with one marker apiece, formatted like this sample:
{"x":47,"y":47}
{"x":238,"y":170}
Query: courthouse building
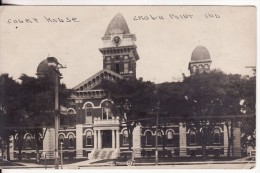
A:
{"x":99,"y":134}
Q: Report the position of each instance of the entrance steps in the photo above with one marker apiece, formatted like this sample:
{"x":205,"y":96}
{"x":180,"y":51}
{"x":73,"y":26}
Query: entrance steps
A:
{"x":105,"y":153}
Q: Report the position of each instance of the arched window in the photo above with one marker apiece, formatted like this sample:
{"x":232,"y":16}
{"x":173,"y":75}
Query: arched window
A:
{"x":125,"y":137}
{"x":206,"y":68}
{"x":71,"y":140}
{"x":107,"y":110}
{"x":159,"y":137}
{"x":194,"y":69}
{"x":71,"y":118}
{"x":88,"y":113}
{"x":169,"y":138}
{"x":89,"y":138}
{"x":192,"y":137}
{"x":216,"y":136}
{"x":28,"y":141}
{"x":201,"y":68}
{"x":148,"y":136}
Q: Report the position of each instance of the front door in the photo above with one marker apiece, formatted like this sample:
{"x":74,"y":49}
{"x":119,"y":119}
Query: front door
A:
{"x":107,"y":139}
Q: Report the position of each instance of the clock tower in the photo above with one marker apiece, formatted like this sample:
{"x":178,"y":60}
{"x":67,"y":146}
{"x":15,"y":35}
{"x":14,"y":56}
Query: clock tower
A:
{"x":119,"y":49}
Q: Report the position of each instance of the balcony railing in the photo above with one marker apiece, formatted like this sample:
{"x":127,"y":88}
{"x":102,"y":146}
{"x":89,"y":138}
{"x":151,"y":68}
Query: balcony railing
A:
{"x":113,"y":121}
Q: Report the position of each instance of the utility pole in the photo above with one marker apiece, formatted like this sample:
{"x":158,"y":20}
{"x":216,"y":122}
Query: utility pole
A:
{"x":156,"y":137}
{"x":55,"y":65}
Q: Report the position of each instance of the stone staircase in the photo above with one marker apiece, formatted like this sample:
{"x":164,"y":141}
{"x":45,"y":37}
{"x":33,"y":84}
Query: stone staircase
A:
{"x":104,"y":154}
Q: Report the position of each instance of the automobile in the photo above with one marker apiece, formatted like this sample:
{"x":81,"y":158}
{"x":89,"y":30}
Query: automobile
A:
{"x":126,"y":158}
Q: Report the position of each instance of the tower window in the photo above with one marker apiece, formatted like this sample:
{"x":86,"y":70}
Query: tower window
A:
{"x":117,"y":57}
{"x":126,"y":66}
{"x":117,"y":68}
{"x":108,"y":66}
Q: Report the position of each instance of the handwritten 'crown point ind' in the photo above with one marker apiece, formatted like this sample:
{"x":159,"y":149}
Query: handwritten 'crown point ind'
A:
{"x":117,"y":25}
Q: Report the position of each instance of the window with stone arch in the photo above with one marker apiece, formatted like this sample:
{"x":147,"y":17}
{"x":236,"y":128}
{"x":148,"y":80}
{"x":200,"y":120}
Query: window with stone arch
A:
{"x":88,"y":113}
{"x":107,"y":110}
{"x":125,"y":137}
{"x":28,"y":141}
{"x":216,"y":134}
{"x":192,"y":137}
{"x":206,"y":67}
{"x":170,"y":138}
{"x":148,"y":138}
{"x":71,"y":118}
{"x":194,"y":69}
{"x":201,"y":68}
{"x":71,"y":140}
{"x":89,"y":138}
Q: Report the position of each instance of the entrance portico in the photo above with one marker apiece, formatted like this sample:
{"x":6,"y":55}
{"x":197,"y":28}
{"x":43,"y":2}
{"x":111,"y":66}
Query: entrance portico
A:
{"x":106,"y":133}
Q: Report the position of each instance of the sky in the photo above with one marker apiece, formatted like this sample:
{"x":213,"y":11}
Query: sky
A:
{"x":164,"y":45}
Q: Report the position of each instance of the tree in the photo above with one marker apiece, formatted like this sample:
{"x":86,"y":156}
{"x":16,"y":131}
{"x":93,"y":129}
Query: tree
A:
{"x":217,"y":94}
{"x":37,"y":98}
{"x":133,"y":99}
{"x":9,"y":105}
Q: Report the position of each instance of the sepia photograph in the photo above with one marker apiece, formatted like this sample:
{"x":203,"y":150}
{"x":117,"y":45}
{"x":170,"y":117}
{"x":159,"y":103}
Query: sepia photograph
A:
{"x":128,"y":87}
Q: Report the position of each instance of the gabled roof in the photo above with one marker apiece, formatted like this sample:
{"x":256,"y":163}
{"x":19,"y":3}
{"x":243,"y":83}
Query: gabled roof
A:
{"x":96,"y":79}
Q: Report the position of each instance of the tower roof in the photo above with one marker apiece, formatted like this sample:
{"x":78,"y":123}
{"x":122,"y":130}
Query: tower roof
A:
{"x":43,"y":67}
{"x":117,"y":25}
{"x":199,"y":54}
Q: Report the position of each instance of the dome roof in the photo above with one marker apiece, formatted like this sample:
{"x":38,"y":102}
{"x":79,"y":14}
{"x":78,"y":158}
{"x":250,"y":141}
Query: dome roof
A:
{"x":43,"y":68}
{"x":117,"y":25}
{"x":200,"y":53}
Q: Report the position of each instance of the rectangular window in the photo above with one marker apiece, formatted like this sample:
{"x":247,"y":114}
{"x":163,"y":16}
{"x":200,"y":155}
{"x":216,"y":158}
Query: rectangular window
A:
{"x":108,"y":66}
{"x":126,"y":68}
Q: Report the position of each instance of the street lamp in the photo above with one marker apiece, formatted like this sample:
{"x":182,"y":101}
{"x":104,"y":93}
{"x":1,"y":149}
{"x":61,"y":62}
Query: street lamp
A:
{"x":55,"y":66}
{"x":61,"y":155}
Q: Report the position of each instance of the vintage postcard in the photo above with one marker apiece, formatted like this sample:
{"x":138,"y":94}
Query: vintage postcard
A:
{"x":128,"y":87}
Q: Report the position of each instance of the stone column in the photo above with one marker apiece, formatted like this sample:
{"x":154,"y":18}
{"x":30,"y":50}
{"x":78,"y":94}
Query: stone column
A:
{"x":183,"y":140}
{"x":137,"y":141}
{"x":113,"y":139}
{"x":79,"y":141}
{"x":237,"y":142}
{"x":117,"y":140}
{"x":99,"y":140}
{"x":95,"y":139}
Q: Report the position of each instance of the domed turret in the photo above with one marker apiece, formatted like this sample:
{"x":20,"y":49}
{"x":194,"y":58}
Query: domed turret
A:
{"x":44,"y":69}
{"x":200,"y":54}
{"x":200,"y":60}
